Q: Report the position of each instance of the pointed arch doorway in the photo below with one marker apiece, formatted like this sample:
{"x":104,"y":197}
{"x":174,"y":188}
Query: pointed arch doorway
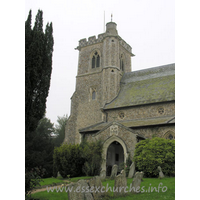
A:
{"x":115,"y":155}
{"x":114,"y":152}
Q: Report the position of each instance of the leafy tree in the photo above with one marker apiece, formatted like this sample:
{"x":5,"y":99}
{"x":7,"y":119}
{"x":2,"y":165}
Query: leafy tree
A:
{"x":149,"y":154}
{"x":60,"y":130}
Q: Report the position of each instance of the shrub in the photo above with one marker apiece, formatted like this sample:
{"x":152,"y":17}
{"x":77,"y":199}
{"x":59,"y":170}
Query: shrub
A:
{"x":68,"y":160}
{"x":92,"y":155}
{"x":149,"y":154}
{"x":32,"y":180}
{"x":78,"y":160}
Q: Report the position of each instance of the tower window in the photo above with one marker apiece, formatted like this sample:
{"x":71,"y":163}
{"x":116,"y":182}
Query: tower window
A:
{"x":122,"y":62}
{"x":93,"y":95}
{"x":98,"y":61}
{"x":95,"y":60}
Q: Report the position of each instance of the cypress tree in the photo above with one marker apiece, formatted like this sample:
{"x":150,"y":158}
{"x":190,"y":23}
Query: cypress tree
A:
{"x":38,"y":68}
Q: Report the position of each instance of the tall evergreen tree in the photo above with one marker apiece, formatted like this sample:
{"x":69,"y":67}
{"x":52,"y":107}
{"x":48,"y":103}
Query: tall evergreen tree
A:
{"x":39,"y":48}
{"x":38,"y":68}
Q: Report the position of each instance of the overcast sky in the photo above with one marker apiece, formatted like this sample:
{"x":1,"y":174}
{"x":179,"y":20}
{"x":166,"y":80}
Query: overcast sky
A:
{"x":148,"y":26}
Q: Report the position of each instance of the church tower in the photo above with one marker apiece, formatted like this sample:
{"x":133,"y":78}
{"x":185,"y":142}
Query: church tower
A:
{"x":101,"y":65}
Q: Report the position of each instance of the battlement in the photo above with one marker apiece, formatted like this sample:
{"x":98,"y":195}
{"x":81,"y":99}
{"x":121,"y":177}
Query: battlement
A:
{"x":125,"y":45}
{"x":93,"y":40}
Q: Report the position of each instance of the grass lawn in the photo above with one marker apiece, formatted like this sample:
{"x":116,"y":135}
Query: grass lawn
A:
{"x":147,"y":185}
{"x":52,"y":181}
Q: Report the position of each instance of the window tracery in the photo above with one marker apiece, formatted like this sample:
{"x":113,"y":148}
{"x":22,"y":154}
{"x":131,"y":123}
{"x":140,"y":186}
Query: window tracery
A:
{"x":95,"y":60}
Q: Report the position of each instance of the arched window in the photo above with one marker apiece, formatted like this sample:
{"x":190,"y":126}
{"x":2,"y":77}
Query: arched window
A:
{"x":122,"y":62}
{"x":93,"y":94}
{"x":95,"y":60}
{"x":169,"y":135}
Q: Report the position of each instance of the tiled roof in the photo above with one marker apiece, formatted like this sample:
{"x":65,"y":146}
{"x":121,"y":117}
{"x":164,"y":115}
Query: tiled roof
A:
{"x":132,"y":123}
{"x":147,"y":86}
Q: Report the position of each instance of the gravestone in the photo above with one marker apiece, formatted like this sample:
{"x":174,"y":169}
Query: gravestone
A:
{"x":120,"y":184}
{"x":135,"y":186}
{"x":103,"y":174}
{"x":123,"y":173}
{"x":132,"y":170}
{"x":95,"y":183}
{"x":114,"y":171}
{"x":79,"y":191}
{"x":161,"y":175}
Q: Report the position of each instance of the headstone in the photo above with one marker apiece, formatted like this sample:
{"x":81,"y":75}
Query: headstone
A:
{"x":120,"y":184}
{"x":161,"y":175}
{"x":132,"y":170}
{"x":79,"y":191}
{"x":58,"y":174}
{"x":95,"y":182}
{"x":135,"y":187}
{"x":114,"y":171}
{"x":123,"y":173}
{"x":103,"y":174}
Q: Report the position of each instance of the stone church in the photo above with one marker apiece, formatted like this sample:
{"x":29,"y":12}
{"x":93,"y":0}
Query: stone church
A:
{"x":118,"y":106}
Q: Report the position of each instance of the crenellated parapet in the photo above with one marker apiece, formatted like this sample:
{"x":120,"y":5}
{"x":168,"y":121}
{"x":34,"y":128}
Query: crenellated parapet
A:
{"x":126,"y":46}
{"x":93,"y":40}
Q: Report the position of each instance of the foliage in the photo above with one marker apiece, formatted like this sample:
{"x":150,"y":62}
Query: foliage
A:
{"x":126,"y":166}
{"x":149,"y":154}
{"x":32,"y":180}
{"x":76,"y":160}
{"x":41,"y":148}
{"x":92,"y":154}
{"x":60,"y":130}
{"x":38,"y":67}
{"x":68,"y":160}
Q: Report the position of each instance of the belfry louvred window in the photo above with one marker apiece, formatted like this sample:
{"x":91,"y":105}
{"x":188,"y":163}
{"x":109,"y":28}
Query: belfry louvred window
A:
{"x":95,"y":60}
